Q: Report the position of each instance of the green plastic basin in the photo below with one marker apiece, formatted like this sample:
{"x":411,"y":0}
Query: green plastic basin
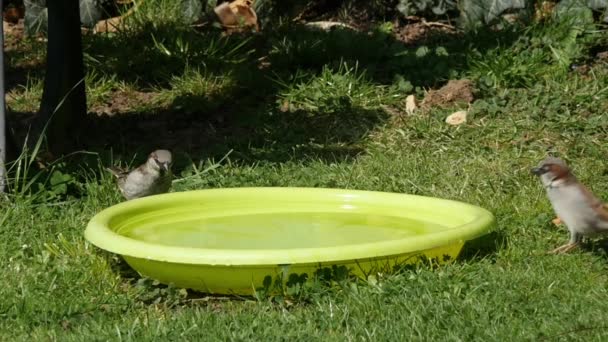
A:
{"x":233,"y":241}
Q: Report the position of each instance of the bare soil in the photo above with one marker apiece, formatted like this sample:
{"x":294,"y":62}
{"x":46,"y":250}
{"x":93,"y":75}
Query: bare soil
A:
{"x":454,"y":92}
{"x":121,"y":102}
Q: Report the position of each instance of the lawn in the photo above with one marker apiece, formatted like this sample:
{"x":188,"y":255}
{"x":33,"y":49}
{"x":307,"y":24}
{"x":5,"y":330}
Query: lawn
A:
{"x":295,"y":107}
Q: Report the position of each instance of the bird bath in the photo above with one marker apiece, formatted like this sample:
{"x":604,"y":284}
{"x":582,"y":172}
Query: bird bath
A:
{"x":231,"y":241}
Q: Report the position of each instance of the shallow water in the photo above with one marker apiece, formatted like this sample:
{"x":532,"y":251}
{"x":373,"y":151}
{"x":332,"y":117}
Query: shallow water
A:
{"x":278,"y":230}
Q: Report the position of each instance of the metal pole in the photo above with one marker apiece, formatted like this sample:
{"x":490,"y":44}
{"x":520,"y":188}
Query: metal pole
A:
{"x":3,"y":176}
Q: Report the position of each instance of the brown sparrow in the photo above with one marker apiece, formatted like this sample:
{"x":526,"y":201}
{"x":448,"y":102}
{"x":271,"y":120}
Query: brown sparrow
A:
{"x":151,"y":178}
{"x":574,"y":205}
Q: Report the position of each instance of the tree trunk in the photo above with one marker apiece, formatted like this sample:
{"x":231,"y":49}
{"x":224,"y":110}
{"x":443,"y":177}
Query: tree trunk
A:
{"x":63,"y":107}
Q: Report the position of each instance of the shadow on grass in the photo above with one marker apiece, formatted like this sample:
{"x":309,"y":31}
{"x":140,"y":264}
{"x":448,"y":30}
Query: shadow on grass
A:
{"x":252,"y":134}
{"x":598,"y":247}
{"x":247,"y":117}
{"x":483,"y":247}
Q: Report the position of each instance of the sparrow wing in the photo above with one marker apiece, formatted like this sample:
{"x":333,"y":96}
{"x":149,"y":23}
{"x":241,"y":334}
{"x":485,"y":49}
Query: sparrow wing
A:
{"x":591,"y":199}
{"x":602,"y":211}
{"x":598,"y":206}
{"x":117,"y":171}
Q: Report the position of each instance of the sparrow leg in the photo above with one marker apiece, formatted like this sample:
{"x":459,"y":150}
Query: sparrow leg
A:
{"x":572,"y":244}
{"x":565,"y":248}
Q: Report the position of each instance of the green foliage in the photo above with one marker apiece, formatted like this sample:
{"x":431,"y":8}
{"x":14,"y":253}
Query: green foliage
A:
{"x":192,"y":9}
{"x":425,"y":7}
{"x":595,"y":4}
{"x":540,"y":51}
{"x":91,"y":11}
{"x":330,"y":91}
{"x":36,"y":16}
{"x":474,"y":12}
{"x":577,"y":11}
{"x":55,"y":181}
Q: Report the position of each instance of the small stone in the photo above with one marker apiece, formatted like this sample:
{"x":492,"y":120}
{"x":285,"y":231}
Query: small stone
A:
{"x":457,"y":118}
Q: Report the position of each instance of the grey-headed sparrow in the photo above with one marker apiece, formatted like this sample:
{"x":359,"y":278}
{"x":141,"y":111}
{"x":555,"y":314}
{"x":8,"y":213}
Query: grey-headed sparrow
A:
{"x":575,"y":206}
{"x":151,"y":178}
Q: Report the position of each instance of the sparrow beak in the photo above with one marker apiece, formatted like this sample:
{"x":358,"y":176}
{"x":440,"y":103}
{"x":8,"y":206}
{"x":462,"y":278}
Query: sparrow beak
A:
{"x":165,"y":166}
{"x":537,"y":171}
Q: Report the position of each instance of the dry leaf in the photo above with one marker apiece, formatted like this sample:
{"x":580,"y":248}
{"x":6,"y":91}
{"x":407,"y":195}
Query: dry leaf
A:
{"x":108,"y":25}
{"x":236,"y":15}
{"x":410,"y":104}
{"x":113,"y":24}
{"x":457,"y":118}
{"x":284,"y":107}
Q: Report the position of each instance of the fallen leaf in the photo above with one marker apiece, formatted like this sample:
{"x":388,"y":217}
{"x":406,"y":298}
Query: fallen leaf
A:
{"x":237,"y":15}
{"x":108,"y":25}
{"x":284,"y":107}
{"x":115,"y":23}
{"x":410,"y":104}
{"x":457,"y":118}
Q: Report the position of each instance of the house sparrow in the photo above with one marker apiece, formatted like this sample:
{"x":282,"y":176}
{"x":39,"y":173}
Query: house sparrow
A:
{"x":151,"y":178}
{"x":582,"y":212}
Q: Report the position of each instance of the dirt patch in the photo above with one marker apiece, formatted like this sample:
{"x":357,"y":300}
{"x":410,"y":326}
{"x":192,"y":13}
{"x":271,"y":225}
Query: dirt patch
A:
{"x":121,"y":101}
{"x":455,"y":91}
{"x":417,"y":30}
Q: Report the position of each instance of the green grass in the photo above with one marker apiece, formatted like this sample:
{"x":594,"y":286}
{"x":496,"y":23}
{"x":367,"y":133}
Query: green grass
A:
{"x":332,"y":133}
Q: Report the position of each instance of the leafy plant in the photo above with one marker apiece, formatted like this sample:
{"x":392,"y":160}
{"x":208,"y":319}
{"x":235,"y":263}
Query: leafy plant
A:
{"x":421,"y":7}
{"x":91,"y":11}
{"x":36,"y":16}
{"x":483,"y":11}
{"x":192,"y":9}
{"x":541,"y":50}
